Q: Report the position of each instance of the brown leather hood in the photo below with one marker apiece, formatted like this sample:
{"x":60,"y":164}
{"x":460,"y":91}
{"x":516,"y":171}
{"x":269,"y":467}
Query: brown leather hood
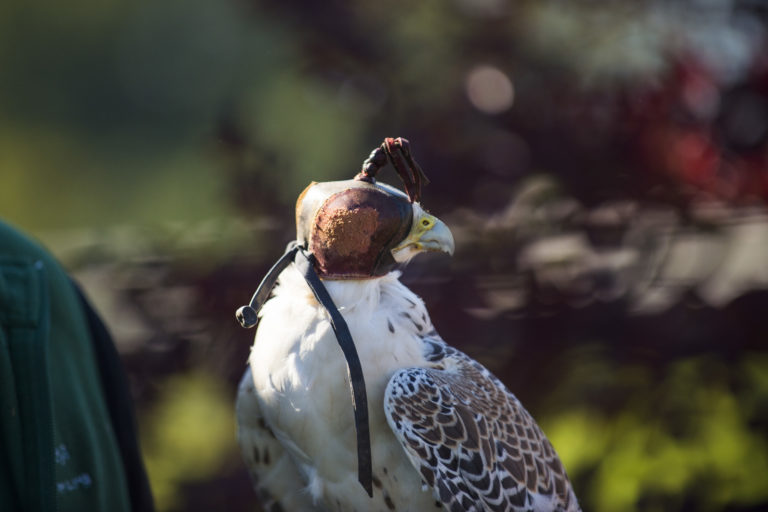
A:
{"x":351,"y":227}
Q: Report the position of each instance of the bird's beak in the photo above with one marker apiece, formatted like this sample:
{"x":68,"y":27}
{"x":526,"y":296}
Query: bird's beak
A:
{"x":437,"y":238}
{"x":428,"y":233}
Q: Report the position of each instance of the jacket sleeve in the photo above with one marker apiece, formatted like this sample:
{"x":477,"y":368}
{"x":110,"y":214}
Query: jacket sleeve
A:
{"x":26,"y":423}
{"x":119,"y":403}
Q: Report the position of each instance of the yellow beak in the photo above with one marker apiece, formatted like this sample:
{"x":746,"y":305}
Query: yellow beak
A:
{"x":428,"y":233}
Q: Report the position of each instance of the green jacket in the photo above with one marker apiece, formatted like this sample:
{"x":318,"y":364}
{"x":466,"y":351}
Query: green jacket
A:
{"x":67,"y":435}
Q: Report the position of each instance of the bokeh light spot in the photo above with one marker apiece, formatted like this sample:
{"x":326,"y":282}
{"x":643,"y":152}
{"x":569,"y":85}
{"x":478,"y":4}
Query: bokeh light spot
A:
{"x":489,"y":89}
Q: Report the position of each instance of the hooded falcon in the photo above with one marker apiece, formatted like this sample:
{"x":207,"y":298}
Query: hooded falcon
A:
{"x":352,"y":401}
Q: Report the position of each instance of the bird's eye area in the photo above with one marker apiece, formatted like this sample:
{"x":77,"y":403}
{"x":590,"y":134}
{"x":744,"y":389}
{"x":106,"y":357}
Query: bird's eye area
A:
{"x":426,"y":223}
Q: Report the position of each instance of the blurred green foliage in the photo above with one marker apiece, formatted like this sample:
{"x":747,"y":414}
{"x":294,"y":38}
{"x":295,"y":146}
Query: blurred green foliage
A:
{"x":683,"y":436}
{"x":187,"y":435}
{"x":109,"y":113}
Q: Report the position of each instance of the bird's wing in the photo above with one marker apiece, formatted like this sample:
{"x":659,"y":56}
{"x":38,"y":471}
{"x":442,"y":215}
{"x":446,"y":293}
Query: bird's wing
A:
{"x":471,"y":440}
{"x":275,"y":476}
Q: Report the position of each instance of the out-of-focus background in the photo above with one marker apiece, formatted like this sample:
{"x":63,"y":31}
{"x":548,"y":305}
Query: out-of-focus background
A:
{"x":603,"y":165}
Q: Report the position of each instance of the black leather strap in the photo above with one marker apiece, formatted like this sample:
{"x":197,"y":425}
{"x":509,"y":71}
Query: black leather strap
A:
{"x":305,"y":265}
{"x":248,"y":317}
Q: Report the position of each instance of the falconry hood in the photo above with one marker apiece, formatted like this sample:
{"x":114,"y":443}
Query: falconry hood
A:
{"x":352,"y":226}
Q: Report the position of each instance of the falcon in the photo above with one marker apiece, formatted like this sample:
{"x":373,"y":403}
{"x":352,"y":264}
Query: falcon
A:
{"x":351,"y":400}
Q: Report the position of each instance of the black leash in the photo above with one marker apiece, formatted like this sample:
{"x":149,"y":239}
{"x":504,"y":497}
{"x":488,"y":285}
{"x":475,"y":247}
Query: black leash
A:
{"x":248,"y":317}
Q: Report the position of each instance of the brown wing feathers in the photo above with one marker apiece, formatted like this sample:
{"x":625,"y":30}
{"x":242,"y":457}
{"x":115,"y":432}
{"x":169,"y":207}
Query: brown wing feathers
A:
{"x":471,"y":440}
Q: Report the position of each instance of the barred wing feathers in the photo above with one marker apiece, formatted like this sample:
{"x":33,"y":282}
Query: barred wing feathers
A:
{"x":471,"y":440}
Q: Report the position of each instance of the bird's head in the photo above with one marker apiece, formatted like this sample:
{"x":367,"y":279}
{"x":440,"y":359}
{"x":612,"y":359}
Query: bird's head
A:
{"x":359,"y":228}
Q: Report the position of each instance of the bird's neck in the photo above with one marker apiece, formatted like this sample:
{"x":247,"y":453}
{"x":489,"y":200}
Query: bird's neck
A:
{"x":361,"y":294}
{"x":358,"y":297}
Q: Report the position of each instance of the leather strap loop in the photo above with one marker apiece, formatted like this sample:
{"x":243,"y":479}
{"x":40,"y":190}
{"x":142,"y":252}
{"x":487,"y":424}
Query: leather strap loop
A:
{"x":248,"y":315}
